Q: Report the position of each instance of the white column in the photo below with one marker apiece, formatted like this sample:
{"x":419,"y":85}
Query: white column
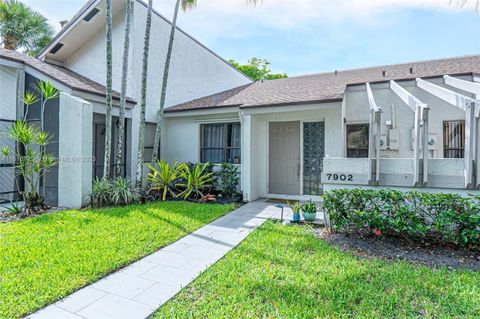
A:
{"x":75,"y":151}
{"x":246,"y":122}
{"x":425,"y":144}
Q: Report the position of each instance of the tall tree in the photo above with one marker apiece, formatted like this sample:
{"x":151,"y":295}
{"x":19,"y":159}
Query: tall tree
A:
{"x":22,"y":28}
{"x":186,"y":4}
{"x":166,"y":69}
{"x":108,"y":116}
{"x":462,"y":3}
{"x":123,"y":91}
{"x":257,"y":69}
{"x":143,"y":98}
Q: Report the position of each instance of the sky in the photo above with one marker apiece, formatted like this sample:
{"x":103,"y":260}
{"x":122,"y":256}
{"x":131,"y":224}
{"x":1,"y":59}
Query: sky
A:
{"x":308,"y":36}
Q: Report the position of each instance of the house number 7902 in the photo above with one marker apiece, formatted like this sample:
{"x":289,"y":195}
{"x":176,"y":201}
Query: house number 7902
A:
{"x":340,"y":177}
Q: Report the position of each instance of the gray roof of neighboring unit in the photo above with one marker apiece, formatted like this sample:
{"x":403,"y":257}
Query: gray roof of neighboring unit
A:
{"x":324,"y":87}
{"x":60,"y":74}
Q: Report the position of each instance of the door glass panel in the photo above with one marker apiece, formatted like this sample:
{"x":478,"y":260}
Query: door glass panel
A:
{"x":313,"y":154}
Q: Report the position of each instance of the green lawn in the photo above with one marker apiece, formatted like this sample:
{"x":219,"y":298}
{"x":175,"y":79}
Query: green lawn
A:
{"x":45,"y":258}
{"x":285,"y":272}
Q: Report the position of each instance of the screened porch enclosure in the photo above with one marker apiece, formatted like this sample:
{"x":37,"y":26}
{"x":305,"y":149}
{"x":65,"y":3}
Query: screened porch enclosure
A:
{"x":9,"y":183}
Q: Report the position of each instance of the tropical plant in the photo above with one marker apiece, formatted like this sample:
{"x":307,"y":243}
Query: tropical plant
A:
{"x":296,"y":207}
{"x":185,"y":4}
{"x":23,"y":28}
{"x":164,"y":178}
{"x":108,"y":90}
{"x":309,"y":208}
{"x":113,"y":193}
{"x":229,"y":179}
{"x":101,"y":192}
{"x":123,"y":90}
{"x":143,"y":99}
{"x":15,"y":208}
{"x":195,"y":180}
{"x":47,"y":92}
{"x":123,"y":193}
{"x":30,"y":162}
{"x":462,"y":3}
{"x":257,"y":69}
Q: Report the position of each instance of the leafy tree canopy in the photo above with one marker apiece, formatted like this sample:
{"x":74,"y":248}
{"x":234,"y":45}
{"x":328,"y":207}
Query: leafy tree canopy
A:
{"x":256,"y":69}
{"x":22,"y":28}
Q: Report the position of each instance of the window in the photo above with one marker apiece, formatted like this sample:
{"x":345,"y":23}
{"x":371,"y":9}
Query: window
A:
{"x":453,"y":139}
{"x":220,"y":143}
{"x":148,"y":141}
{"x":357,"y":140}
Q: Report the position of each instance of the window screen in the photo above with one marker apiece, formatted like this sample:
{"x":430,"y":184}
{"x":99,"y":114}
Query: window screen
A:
{"x":220,"y":143}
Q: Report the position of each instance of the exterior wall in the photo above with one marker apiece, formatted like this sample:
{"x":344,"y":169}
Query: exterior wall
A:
{"x":396,"y":166}
{"x":259,"y":143}
{"x":181,"y":138}
{"x":75,"y":151}
{"x":194,"y":72}
{"x":358,"y":112}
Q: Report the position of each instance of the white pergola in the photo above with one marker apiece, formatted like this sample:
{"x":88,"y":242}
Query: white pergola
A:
{"x":374,"y":136}
{"x":471,"y":107}
{"x":421,"y":124}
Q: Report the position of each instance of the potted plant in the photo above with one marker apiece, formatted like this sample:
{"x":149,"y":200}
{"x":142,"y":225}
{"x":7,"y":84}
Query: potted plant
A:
{"x":309,"y":211}
{"x":296,"y":208}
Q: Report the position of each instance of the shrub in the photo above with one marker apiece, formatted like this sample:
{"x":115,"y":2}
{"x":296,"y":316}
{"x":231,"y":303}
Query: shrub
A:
{"x":113,"y":193}
{"x":163,"y":180}
{"x":449,"y":218}
{"x":228,"y":178}
{"x":195,"y":180}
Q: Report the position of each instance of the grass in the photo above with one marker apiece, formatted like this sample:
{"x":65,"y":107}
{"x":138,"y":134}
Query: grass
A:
{"x":285,"y":272}
{"x":45,"y":258}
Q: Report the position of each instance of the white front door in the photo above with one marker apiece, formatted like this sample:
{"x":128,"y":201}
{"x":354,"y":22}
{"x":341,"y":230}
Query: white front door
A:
{"x":284,"y":158}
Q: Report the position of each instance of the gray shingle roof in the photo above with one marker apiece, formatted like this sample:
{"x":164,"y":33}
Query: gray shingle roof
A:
{"x":63,"y":75}
{"x":329,"y":86}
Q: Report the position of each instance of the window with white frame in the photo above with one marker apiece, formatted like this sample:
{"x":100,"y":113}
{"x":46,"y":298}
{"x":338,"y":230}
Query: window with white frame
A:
{"x":453,"y":139}
{"x":220,"y":142}
{"x":357,"y":140}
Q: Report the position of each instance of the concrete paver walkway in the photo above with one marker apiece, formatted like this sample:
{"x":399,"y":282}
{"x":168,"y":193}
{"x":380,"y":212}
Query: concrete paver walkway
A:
{"x":139,"y":289}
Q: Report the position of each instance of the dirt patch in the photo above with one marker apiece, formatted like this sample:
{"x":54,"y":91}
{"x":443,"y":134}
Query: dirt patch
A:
{"x":6,"y":216}
{"x":390,"y":248}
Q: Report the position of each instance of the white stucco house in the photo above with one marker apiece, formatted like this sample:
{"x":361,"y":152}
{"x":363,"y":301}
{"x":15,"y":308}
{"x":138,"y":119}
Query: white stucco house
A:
{"x":406,"y":126}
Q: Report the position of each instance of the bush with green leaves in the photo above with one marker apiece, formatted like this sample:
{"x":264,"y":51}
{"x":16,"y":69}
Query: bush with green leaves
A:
{"x":447,"y":218}
{"x":195,"y":180}
{"x":164,"y":179}
{"x":116,"y":192}
{"x":228,"y":178}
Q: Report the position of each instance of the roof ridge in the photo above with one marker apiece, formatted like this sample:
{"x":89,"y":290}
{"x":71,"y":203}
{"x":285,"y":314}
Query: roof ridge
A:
{"x":379,"y":66}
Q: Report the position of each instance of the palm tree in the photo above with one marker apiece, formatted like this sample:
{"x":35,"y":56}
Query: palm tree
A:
{"x":462,"y":3}
{"x":108,"y":116}
{"x":186,"y":4}
{"x":143,"y":99}
{"x":23,"y":28}
{"x":123,"y":91}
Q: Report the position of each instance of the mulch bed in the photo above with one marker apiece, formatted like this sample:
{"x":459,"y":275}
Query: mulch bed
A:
{"x":390,"y":248}
{"x":6,"y":216}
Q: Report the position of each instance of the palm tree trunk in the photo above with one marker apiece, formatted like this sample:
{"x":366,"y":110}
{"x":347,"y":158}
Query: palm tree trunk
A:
{"x":123,"y":92}
{"x":158,"y":131}
{"x":143,"y":102}
{"x":108,"y":116}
